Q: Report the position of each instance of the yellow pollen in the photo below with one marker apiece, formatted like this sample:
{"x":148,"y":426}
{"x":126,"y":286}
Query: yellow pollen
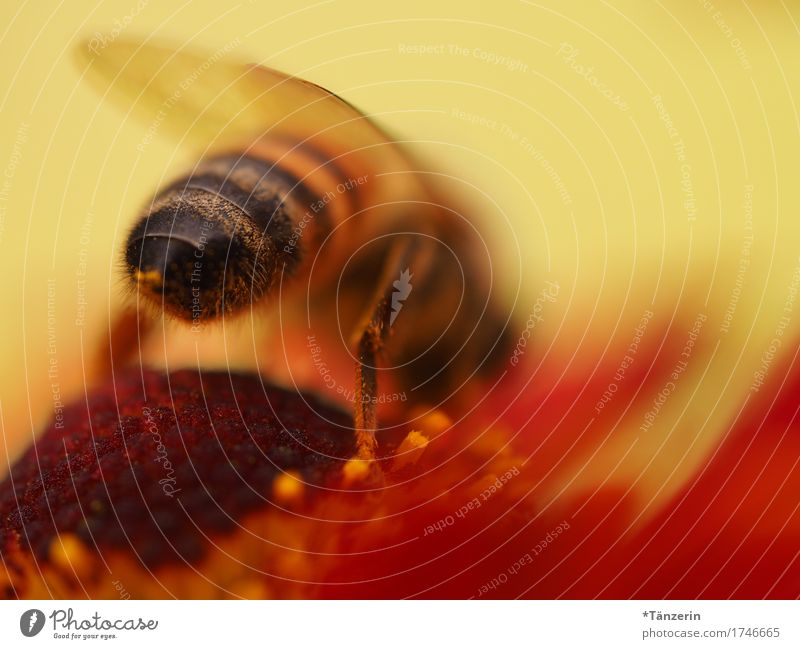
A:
{"x":410,"y":450}
{"x":354,"y":471}
{"x":148,"y":278}
{"x":68,"y":552}
{"x":434,"y":423}
{"x":288,"y":487}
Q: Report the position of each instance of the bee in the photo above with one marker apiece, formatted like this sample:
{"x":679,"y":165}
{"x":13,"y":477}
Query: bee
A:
{"x":300,"y":203}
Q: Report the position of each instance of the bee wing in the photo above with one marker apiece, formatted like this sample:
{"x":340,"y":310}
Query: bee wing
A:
{"x":205,"y":99}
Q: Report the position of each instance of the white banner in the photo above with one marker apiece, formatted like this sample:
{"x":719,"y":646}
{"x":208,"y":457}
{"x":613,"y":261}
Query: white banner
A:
{"x":333,"y":624}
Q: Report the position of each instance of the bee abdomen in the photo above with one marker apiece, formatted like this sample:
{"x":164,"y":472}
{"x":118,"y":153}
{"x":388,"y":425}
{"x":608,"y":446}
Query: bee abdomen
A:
{"x":217,"y":240}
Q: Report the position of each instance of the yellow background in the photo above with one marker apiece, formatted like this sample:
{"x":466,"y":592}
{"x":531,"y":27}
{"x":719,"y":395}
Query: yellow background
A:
{"x":623,"y":244}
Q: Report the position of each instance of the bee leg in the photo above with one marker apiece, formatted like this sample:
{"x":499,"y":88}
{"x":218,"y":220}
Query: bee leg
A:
{"x":367,"y":381}
{"x":121,"y":342}
{"x":372,"y":333}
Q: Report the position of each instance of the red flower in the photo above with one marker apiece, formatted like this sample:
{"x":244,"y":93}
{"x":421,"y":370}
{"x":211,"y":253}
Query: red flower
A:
{"x":221,"y":486}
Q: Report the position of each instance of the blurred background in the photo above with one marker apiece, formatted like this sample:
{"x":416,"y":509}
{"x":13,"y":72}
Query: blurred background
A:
{"x":642,"y":157}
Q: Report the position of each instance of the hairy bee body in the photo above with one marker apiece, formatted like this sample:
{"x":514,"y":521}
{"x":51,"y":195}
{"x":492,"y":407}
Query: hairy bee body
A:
{"x":304,"y":213}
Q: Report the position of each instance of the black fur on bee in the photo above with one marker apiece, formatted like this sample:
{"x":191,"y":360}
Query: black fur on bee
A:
{"x":219,"y":239}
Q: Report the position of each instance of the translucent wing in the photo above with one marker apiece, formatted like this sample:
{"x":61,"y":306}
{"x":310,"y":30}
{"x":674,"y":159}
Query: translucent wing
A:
{"x":208,"y":98}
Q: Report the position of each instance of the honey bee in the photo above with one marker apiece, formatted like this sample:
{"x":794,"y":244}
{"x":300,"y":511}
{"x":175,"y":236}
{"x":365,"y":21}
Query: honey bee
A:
{"x":299,"y":202}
